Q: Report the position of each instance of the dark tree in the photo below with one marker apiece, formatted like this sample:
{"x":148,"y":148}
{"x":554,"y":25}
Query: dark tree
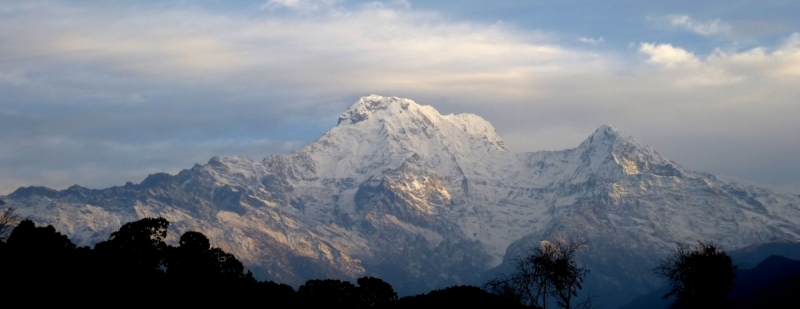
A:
{"x":548,"y":272}
{"x":134,"y":265}
{"x":700,"y":277}
{"x":136,"y":251}
{"x":370,"y":293}
{"x":8,"y":219}
{"x":39,"y":246}
{"x":40,"y":258}
{"x":191,"y":261}
{"x":195,"y":260}
{"x":455,"y":297}
{"x":373,"y":292}
{"x":227,"y":265}
{"x":194,"y":242}
{"x":281,"y":295}
{"x":328,"y":294}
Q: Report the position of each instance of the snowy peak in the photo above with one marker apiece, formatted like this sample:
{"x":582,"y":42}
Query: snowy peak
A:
{"x":398,"y":116}
{"x":478,"y":127}
{"x":608,"y":135}
{"x":378,"y":133}
{"x":368,"y":106}
{"x":608,"y":144}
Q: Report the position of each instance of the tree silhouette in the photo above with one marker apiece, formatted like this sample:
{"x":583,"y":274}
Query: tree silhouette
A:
{"x":195,"y":260}
{"x":328,"y":293}
{"x":227,"y":265}
{"x":8,"y":219}
{"x":134,"y":264}
{"x":40,"y":258}
{"x":456,"y":297}
{"x":39,"y":245}
{"x":135,"y":252}
{"x":700,"y":277}
{"x":547,"y":272}
{"x":374,"y":292}
{"x":191,"y":261}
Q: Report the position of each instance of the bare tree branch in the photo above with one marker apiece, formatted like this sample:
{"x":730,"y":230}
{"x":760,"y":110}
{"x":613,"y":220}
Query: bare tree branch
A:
{"x":8,"y":220}
{"x":700,"y":277}
{"x":548,"y":271}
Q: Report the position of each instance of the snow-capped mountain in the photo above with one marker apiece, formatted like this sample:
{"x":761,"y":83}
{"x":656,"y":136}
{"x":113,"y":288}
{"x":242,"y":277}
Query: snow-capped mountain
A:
{"x":425,"y":200}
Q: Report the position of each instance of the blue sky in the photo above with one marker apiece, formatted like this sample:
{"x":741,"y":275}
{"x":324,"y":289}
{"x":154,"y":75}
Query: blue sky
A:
{"x":97,"y":93}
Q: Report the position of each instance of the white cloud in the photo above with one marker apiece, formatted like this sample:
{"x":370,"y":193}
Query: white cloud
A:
{"x":397,"y":4}
{"x":592,"y":41}
{"x":685,"y":69}
{"x":728,"y":67}
{"x":302,"y":5}
{"x":705,"y":28}
{"x":184,"y":77}
{"x":668,"y":55}
{"x":366,"y":49}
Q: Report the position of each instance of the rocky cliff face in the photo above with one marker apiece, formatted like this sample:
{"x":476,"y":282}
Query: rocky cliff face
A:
{"x":425,"y":200}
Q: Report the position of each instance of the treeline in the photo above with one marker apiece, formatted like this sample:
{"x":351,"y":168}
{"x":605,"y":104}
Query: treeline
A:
{"x":135,"y":266}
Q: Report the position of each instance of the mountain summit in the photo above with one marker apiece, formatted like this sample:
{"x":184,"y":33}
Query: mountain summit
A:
{"x":423,"y":200}
{"x":399,"y":117}
{"x":379,"y":132}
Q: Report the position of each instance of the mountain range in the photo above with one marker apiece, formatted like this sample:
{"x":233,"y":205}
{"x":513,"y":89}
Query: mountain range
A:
{"x":423,"y":200}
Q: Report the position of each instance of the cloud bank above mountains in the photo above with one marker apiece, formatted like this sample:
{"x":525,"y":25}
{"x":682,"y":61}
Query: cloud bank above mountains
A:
{"x":100,"y":94}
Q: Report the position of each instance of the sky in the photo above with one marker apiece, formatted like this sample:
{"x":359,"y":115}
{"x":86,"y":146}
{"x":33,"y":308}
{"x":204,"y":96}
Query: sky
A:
{"x":98,"y":93}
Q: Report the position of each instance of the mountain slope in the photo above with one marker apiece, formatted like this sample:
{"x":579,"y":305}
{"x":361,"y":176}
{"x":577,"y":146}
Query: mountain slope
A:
{"x":425,"y":200}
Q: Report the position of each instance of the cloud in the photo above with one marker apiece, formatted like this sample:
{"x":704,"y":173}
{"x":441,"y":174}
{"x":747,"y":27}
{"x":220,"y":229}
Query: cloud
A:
{"x":396,"y":4}
{"x":729,"y":67}
{"x":711,"y":27}
{"x":592,"y":41}
{"x":686,"y":69}
{"x":301,"y":5}
{"x":668,"y":55}
{"x":369,"y":48}
{"x":99,"y":95}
